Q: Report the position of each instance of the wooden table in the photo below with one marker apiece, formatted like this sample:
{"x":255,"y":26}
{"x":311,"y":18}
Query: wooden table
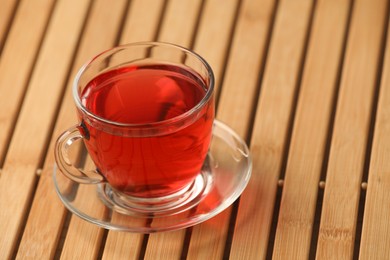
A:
{"x":305,"y":83}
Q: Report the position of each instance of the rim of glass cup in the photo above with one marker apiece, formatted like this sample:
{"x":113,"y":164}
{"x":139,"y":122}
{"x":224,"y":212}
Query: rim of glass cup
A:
{"x":179,"y":118}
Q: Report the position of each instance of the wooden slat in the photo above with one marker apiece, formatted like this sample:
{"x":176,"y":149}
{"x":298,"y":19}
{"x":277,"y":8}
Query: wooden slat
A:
{"x":165,"y":245}
{"x":40,"y":233}
{"x":375,"y":241}
{"x":84,"y":239}
{"x":123,"y":245}
{"x":351,"y":130}
{"x":179,"y":22}
{"x":270,"y":131}
{"x":247,"y":51}
{"x":307,"y":146}
{"x":17,"y":60}
{"x":216,"y":21}
{"x":208,"y":239}
{"x":138,"y":27}
{"x":294,"y":229}
{"x":6,"y":11}
{"x":42,"y":230}
{"x":35,"y":120}
{"x":178,"y":26}
{"x":142,"y":21}
{"x":251,"y":35}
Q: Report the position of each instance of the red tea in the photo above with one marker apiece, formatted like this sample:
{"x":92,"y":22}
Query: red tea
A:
{"x":151,"y":165}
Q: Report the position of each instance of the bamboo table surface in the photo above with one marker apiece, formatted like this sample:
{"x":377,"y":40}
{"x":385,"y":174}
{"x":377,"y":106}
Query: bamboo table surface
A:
{"x":305,"y":83}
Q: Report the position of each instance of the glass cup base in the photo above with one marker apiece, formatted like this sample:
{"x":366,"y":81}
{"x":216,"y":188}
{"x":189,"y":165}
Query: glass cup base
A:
{"x":182,"y":200}
{"x":223,"y":178}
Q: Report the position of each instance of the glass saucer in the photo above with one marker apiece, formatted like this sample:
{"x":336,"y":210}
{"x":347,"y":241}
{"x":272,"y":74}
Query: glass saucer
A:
{"x":225,"y":174}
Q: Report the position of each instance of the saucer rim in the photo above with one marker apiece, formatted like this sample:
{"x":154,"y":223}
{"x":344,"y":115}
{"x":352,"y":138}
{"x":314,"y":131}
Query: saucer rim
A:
{"x":191,"y":220}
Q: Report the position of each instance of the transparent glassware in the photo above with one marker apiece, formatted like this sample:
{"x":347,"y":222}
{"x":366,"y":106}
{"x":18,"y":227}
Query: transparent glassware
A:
{"x":226,"y":173}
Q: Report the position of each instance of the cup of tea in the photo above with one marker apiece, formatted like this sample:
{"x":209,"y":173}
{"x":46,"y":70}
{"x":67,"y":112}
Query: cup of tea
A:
{"x":146,"y":113}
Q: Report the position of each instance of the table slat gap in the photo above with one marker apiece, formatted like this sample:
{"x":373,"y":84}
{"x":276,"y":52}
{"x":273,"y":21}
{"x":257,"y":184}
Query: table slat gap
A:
{"x":274,"y":222}
{"x":316,"y":223}
{"x":231,"y":226}
{"x":186,"y":243}
{"x":359,"y":224}
{"x":163,"y":9}
{"x":143,"y":247}
{"x":62,"y":236}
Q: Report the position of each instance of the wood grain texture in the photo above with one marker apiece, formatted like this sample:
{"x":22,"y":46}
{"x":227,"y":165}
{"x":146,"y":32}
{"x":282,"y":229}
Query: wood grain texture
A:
{"x":208,"y":239}
{"x":138,"y":27}
{"x":247,"y":51}
{"x":307,"y":147}
{"x":165,"y":245}
{"x":17,"y":62}
{"x":178,"y":25}
{"x":123,"y":245}
{"x":351,"y":130}
{"x":42,"y":233}
{"x":305,"y":104}
{"x":35,"y":119}
{"x":375,"y":240}
{"x":270,"y":130}
{"x":293,"y":234}
{"x":215,"y":21}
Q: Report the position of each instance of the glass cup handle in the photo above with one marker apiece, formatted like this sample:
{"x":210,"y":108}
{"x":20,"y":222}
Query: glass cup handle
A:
{"x":62,"y":145}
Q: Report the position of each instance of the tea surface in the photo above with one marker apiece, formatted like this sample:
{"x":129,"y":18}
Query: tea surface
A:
{"x":148,"y":166}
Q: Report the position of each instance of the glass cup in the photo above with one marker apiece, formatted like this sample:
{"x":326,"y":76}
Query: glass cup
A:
{"x":146,"y":112}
